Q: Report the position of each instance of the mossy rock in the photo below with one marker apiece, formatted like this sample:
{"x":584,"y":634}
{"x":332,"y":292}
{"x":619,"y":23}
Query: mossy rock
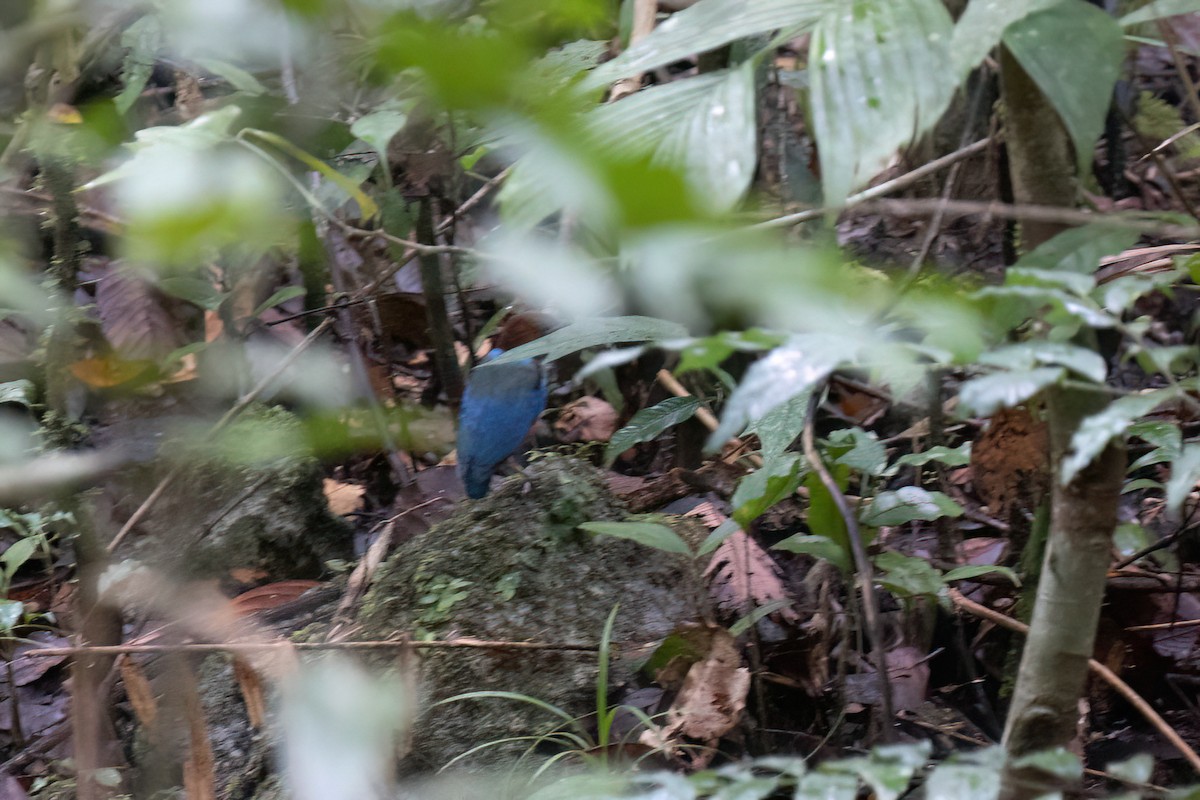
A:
{"x":250,"y":497}
{"x":512,"y":567}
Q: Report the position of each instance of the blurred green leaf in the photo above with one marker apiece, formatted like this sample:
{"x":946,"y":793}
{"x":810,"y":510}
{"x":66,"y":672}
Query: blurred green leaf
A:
{"x":967,"y":776}
{"x":647,"y":424}
{"x":706,"y":127}
{"x":237,"y":77}
{"x":907,"y":576}
{"x":1028,"y":355}
{"x":907,"y":504}
{"x":821,"y":547}
{"x":975,"y":570}
{"x":1159,"y":9}
{"x":986,"y":395}
{"x":1080,"y":249}
{"x":280,"y":296}
{"x":650,"y":534}
{"x":142,"y":41}
{"x":707,"y":25}
{"x":11,"y":612}
{"x":377,"y":129}
{"x":1185,"y":472}
{"x":950,"y":456}
{"x":1095,"y":432}
{"x":787,"y":371}
{"x":778,"y":428}
{"x":594,"y":333}
{"x":858,"y":449}
{"x":366,"y":205}
{"x":1073,"y":52}
{"x":981,"y":25}
{"x":882,"y":74}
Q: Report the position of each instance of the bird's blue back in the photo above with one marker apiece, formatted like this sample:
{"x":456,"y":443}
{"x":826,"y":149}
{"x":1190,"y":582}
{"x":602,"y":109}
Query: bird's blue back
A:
{"x":499,"y":406}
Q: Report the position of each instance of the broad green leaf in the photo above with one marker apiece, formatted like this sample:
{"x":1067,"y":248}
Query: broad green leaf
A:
{"x":1185,"y":472}
{"x":719,"y":535}
{"x":595,"y":333}
{"x":17,"y":554}
{"x":776,"y":479}
{"x":975,"y":570}
{"x":1028,"y":355}
{"x":366,"y":205}
{"x":1071,"y":282}
{"x":648,"y":423}
{"x":1095,"y":432}
{"x":907,"y":576}
{"x":280,"y":296}
{"x":237,"y":77}
{"x":787,"y":371}
{"x":906,"y":504}
{"x":858,"y":449}
{"x":1073,"y":52}
{"x":1129,"y":538}
{"x":950,"y":456}
{"x":707,"y":25}
{"x":11,"y":612}
{"x":824,"y":517}
{"x":1165,"y":437}
{"x":1119,"y":295}
{"x":979,"y":28}
{"x":987,"y":395}
{"x":881,"y":75}
{"x":650,"y":534}
{"x":1079,"y":250}
{"x":142,"y":40}
{"x":706,"y":126}
{"x":779,"y":427}
{"x":1159,"y":9}
{"x":377,"y":130}
{"x":1059,"y":762}
{"x":821,"y":547}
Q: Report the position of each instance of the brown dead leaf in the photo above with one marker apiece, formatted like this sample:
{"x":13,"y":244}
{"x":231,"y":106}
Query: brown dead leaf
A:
{"x":709,"y":705}
{"x":743,"y":576}
{"x":138,"y":690}
{"x":199,"y":776}
{"x":588,"y":419}
{"x":343,"y":498}
{"x":252,"y":692}
{"x":139,"y":320}
{"x":1010,"y":462}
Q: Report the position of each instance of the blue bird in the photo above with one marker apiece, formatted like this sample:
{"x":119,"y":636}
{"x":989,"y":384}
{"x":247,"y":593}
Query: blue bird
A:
{"x":499,"y":406}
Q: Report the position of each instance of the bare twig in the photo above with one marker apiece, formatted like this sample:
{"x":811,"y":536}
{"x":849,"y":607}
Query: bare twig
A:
{"x":253,"y":647}
{"x":887,"y":187}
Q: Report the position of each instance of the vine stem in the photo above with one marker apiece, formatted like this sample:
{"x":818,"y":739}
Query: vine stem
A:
{"x":862,"y":565}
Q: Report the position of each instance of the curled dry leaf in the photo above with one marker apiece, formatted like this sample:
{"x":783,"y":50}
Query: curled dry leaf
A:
{"x":709,"y":705}
{"x":343,"y":498}
{"x":139,"y":691}
{"x":588,"y":419}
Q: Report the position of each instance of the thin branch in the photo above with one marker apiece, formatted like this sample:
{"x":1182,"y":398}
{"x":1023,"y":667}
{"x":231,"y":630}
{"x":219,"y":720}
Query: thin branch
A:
{"x":862,"y":564}
{"x":283,"y":644}
{"x":887,"y":187}
{"x":1109,"y":677}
